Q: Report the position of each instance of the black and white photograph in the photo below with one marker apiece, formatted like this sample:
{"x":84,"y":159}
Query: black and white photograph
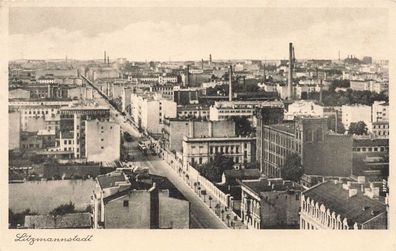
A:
{"x":198,"y":118}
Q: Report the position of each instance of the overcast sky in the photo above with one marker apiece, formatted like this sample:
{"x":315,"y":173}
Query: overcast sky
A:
{"x":194,"y":33}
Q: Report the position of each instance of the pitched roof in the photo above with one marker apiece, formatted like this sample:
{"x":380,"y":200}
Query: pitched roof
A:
{"x":357,"y":209}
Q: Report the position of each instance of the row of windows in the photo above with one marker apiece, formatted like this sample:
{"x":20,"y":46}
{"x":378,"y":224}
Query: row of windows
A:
{"x":383,"y":126}
{"x":371,"y":149}
{"x":235,"y":111}
{"x":224,"y":149}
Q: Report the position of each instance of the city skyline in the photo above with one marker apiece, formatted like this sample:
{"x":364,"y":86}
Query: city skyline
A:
{"x":187,"y":33}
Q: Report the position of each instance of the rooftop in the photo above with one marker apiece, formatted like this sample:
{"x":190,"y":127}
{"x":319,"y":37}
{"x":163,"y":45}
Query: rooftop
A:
{"x":358,"y":208}
{"x":268,"y":185}
{"x":366,"y":141}
{"x":284,"y":127}
{"x":110,"y":179}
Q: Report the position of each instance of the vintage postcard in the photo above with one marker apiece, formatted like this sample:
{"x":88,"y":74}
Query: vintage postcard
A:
{"x":266,"y":120}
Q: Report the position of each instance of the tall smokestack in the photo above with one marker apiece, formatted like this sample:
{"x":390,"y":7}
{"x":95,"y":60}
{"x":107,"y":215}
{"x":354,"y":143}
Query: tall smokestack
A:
{"x":188,"y":76}
{"x":264,"y":74}
{"x":202,"y":63}
{"x":104,"y":60}
{"x":230,"y":85}
{"x":290,"y":79}
{"x":210,"y":59}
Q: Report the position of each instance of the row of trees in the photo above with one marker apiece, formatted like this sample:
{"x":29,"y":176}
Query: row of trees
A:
{"x":332,"y":98}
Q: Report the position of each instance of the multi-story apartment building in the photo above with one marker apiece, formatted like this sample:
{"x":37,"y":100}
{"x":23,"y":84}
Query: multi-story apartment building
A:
{"x":72,"y":120}
{"x":381,"y":129}
{"x":102,"y":141}
{"x":150,"y":110}
{"x":342,"y":206}
{"x":380,"y":111}
{"x":321,"y":152}
{"x":192,"y":111}
{"x":304,"y":108}
{"x":34,"y":110}
{"x":270,"y":203}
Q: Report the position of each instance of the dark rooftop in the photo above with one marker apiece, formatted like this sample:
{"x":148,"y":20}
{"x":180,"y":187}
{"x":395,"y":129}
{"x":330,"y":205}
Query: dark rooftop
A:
{"x":109,"y":180}
{"x":337,"y":199}
{"x":267,"y":185}
{"x":370,"y":142}
{"x":285,"y":127}
{"x":243,"y":173}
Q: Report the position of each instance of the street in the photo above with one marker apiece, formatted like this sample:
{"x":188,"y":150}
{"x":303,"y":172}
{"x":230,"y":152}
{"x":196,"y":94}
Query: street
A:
{"x":201,"y":216}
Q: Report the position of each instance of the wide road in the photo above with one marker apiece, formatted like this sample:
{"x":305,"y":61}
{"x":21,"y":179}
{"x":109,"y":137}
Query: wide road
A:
{"x":201,"y":215}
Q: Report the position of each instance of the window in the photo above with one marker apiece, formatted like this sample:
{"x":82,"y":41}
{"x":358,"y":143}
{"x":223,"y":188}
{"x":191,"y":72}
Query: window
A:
{"x":101,"y":147}
{"x":126,"y":203}
{"x":101,"y":139}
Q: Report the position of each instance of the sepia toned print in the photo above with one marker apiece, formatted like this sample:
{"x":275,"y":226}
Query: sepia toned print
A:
{"x":192,"y":118}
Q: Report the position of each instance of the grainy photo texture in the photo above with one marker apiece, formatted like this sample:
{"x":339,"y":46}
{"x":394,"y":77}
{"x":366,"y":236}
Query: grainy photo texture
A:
{"x":185,"y":118}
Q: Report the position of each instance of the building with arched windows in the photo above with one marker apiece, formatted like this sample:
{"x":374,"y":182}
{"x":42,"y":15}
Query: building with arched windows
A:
{"x":342,"y":206}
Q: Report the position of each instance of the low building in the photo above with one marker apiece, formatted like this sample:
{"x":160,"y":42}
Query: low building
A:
{"x":270,"y":203}
{"x":304,"y":108}
{"x":336,"y":205}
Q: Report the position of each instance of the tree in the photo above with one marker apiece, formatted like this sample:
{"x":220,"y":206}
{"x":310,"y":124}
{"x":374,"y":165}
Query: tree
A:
{"x":64,"y":209}
{"x":243,"y":126}
{"x":358,"y":128}
{"x":203,"y":192}
{"x":210,"y":201}
{"x":215,"y":168}
{"x":292,"y":169}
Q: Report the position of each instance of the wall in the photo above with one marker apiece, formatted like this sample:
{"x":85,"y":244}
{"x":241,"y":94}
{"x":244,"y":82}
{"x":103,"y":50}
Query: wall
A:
{"x":331,"y":157}
{"x":173,"y":213}
{"x":14,"y":130}
{"x":102,"y":141}
{"x":280,"y":209}
{"x":136,"y":215}
{"x":35,"y":124}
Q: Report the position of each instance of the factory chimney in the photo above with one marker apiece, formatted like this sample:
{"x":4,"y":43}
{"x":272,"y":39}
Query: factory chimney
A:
{"x":230,"y":85}
{"x":202,"y":63}
{"x":104,"y":61}
{"x":210,"y":59}
{"x":264,"y":74}
{"x":188,"y":76}
{"x":290,"y":79}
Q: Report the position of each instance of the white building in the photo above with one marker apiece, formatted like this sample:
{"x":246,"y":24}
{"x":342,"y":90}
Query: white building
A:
{"x":355,"y":113}
{"x":304,"y":108}
{"x":149,"y":110}
{"x":223,"y":110}
{"x":102,"y":141}
{"x":201,"y":150}
{"x":380,"y":111}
